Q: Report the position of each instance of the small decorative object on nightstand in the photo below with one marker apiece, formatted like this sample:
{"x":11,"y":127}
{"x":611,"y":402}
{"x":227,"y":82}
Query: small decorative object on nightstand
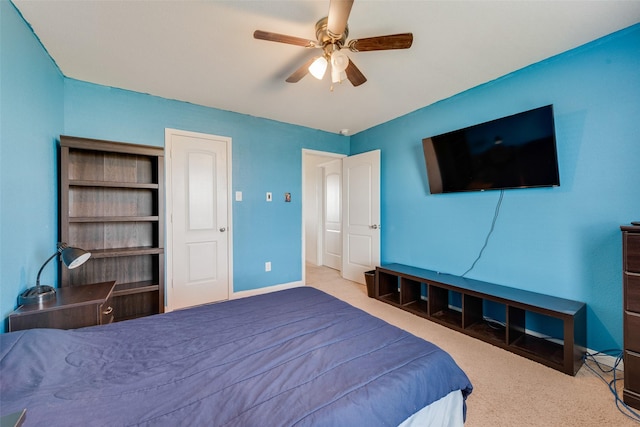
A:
{"x":71,"y":257}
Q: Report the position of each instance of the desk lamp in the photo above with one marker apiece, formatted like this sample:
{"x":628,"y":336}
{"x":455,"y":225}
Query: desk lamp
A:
{"x":71,"y":257}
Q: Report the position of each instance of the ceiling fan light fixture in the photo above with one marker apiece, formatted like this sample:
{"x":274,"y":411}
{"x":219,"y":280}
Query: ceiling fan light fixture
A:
{"x":318,"y":67}
{"x":332,"y":33}
{"x":339,"y":61}
{"x":337,"y":76}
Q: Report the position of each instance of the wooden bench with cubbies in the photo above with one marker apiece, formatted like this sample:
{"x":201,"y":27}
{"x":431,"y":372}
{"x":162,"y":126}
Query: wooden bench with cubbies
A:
{"x":470,"y":306}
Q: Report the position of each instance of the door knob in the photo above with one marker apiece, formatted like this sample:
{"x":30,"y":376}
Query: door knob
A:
{"x":223,"y":229}
{"x":374,"y":226}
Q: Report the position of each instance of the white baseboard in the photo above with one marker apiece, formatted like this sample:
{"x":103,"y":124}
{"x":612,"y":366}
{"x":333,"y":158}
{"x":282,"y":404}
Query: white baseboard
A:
{"x":260,"y":291}
{"x":607,"y":360}
{"x":266,"y":290}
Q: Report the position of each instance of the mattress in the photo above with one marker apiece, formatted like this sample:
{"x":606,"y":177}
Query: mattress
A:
{"x":295,"y":357}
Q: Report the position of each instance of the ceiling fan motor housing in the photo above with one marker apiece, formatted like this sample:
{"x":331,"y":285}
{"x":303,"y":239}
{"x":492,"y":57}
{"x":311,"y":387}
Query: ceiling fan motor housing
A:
{"x":325,"y":38}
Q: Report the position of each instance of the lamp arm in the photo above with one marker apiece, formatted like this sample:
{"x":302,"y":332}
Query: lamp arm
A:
{"x":43,"y":265}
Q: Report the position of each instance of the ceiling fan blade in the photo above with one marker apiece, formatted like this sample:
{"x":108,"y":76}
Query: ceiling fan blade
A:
{"x":281,"y":38}
{"x":354,"y":75}
{"x":339,"y":11}
{"x":300,"y":72}
{"x":393,"y":41}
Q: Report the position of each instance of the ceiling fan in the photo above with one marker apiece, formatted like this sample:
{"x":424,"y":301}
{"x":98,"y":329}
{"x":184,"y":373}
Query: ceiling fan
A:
{"x":331,"y":34}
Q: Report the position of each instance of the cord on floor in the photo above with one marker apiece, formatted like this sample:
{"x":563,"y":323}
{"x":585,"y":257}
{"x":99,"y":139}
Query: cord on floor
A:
{"x":625,"y":409}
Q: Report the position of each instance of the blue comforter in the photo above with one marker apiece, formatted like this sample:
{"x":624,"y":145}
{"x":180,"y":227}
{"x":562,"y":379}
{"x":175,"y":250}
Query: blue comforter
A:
{"x":294,"y":357}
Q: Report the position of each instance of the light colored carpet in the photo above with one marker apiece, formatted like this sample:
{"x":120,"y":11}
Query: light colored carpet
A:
{"x":509,"y":390}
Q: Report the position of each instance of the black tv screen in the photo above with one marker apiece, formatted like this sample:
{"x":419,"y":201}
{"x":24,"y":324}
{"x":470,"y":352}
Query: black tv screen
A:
{"x":517,"y":151}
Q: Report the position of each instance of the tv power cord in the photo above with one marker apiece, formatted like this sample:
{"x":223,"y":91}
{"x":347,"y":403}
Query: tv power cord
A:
{"x":625,"y":409}
{"x":486,"y":240}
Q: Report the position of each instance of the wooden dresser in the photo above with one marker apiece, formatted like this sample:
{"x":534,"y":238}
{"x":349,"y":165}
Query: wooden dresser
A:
{"x":631,"y":306}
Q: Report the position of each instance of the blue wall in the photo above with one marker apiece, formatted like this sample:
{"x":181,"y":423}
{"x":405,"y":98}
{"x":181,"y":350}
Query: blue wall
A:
{"x":561,"y":241}
{"x":267,"y":156}
{"x":31,"y":118}
{"x":39,"y":104}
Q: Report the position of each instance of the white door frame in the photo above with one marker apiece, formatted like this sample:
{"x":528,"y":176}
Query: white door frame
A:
{"x":169,"y":210}
{"x":305,"y":152}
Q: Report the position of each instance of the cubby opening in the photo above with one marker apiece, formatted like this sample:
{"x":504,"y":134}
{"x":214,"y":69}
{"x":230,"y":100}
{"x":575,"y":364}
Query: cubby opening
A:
{"x":389,"y":287}
{"x":412,"y":297}
{"x":485,"y":319}
{"x":443,"y":306}
{"x":541,"y":336}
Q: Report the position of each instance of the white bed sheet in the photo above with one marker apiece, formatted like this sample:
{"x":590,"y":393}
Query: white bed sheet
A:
{"x":446,"y":412}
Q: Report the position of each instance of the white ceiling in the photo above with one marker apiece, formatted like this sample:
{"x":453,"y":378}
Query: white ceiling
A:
{"x":203,"y":52}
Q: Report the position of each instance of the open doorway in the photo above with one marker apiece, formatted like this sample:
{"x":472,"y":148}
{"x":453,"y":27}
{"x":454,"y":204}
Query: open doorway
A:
{"x":341,"y":212}
{"x":315,"y":166}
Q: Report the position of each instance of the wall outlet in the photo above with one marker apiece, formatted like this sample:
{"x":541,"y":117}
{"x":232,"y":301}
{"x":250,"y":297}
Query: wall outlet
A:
{"x":267,"y":266}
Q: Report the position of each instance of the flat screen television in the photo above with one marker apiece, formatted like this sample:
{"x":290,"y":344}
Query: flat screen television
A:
{"x":517,"y":151}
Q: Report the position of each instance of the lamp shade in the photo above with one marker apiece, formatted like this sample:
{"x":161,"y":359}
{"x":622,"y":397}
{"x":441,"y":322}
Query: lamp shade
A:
{"x":339,"y":61}
{"x":74,"y":257}
{"x":318,"y":67}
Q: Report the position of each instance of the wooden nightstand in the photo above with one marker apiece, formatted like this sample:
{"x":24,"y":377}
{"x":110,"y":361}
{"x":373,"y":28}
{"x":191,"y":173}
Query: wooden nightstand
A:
{"x":74,"y":307}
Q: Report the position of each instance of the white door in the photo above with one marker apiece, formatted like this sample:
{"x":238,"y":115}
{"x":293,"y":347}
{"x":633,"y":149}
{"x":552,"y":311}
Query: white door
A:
{"x":361,"y":214}
{"x":332,"y":214}
{"x":199,"y":232}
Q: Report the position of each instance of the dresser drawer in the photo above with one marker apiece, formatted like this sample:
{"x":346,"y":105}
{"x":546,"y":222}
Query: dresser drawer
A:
{"x":632,"y":292}
{"x":631,"y":335}
{"x":632,"y":252}
{"x":632,"y":371}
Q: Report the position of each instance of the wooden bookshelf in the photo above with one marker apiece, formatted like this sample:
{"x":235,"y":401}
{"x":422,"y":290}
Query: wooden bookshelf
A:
{"x":112,"y":204}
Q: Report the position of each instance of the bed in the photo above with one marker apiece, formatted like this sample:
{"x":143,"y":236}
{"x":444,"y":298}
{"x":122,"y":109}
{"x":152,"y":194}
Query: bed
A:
{"x":294,"y":357}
